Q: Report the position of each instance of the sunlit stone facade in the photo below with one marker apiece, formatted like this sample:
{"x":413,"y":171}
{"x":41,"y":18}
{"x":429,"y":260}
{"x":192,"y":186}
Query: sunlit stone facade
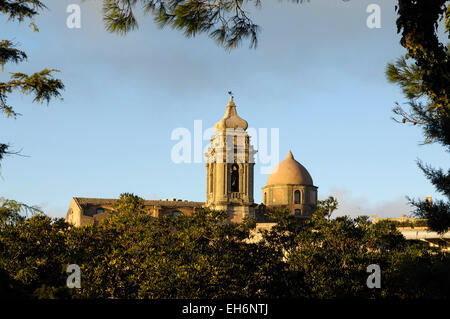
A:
{"x":230,"y":167}
{"x":229,"y":183}
{"x":290,"y":186}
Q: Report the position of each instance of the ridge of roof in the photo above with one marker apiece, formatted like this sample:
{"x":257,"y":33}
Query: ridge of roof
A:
{"x":147,"y":202}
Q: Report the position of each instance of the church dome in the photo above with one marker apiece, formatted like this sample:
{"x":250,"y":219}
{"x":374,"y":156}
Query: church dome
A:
{"x":290,"y":171}
{"x":231,"y":119}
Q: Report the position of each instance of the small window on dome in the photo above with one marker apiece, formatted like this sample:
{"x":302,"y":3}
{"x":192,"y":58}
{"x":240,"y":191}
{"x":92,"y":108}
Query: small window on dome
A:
{"x":297,"y":197}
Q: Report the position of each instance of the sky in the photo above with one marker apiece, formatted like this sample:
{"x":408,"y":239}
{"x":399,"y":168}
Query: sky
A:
{"x":317,"y":75}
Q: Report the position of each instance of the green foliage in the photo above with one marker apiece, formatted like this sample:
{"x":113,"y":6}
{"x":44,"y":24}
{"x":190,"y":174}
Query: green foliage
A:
{"x":417,"y":21}
{"x":41,"y":84}
{"x":8,"y":53}
{"x":412,"y":224}
{"x":129,"y":203}
{"x":437,"y":214}
{"x":225,"y":21}
{"x":325,"y":208}
{"x":33,"y":253}
{"x":329,"y":258}
{"x":432,"y":114}
{"x":171,"y":257}
{"x":133,"y":255}
{"x":19,"y":10}
{"x":11,"y":211}
{"x":424,"y":76}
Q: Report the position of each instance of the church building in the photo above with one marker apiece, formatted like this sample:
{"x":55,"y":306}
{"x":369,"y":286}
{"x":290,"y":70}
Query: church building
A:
{"x":229,"y":183}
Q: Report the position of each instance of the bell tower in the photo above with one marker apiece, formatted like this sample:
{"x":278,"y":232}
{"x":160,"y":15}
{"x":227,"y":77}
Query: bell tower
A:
{"x":229,"y":167}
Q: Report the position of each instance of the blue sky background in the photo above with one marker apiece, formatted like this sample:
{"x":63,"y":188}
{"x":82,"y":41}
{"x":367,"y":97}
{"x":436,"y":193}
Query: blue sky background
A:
{"x":317,"y":75}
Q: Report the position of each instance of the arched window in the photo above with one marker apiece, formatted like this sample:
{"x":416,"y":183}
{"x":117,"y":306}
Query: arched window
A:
{"x":235,"y":178}
{"x":265,"y":198}
{"x":297,"y":197}
{"x":211,"y":181}
{"x":298,"y":212}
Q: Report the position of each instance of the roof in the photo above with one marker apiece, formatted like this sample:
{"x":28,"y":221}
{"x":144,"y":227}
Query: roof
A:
{"x":231,"y":119}
{"x":290,"y":171}
{"x":84,"y":201}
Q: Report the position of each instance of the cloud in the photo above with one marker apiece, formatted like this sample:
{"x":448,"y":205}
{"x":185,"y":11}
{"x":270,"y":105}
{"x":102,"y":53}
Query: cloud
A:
{"x":354,"y":206}
{"x":393,"y":208}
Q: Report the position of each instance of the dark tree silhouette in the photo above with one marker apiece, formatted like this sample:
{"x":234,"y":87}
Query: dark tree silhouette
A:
{"x":424,"y":76}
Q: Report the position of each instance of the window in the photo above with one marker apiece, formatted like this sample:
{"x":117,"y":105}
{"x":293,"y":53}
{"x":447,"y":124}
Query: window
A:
{"x":297,"y":197}
{"x":265,"y":198}
{"x":99,"y":211}
{"x":234,"y":178}
{"x":298,"y":212}
{"x":176,"y":213}
{"x":211,"y":181}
